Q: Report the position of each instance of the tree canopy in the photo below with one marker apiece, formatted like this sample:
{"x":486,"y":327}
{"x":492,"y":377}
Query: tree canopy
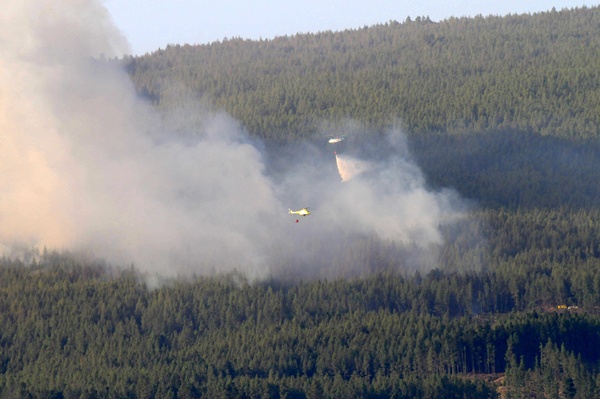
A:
{"x":504,"y":109}
{"x":532,"y":73}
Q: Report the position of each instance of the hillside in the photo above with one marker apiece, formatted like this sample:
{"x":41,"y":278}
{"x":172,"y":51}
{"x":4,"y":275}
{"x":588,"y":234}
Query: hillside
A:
{"x":533,"y":73}
{"x":504,"y":111}
{"x":76,"y":329}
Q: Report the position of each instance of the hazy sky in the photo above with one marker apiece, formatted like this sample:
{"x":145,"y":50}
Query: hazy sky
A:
{"x":153,"y":24}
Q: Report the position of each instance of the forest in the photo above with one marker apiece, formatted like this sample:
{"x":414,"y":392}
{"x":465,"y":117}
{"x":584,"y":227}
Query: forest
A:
{"x":532,"y":73}
{"x":503,"y":109}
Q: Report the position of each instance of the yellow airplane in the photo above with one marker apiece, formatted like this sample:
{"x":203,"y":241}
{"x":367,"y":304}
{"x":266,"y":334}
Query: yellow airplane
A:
{"x":301,"y":212}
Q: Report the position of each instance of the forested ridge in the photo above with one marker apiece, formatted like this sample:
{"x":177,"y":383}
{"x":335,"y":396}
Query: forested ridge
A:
{"x":522,"y":305}
{"x":72,"y":330}
{"x":534,"y":73}
{"x":503,"y":109}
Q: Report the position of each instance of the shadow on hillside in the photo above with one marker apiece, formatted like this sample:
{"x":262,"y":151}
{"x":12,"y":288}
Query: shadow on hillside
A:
{"x":512,"y":169}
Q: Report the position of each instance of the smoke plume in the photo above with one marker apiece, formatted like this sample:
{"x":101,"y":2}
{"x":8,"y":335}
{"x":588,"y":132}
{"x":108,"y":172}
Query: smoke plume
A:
{"x":84,"y":166}
{"x":88,"y":166}
{"x":349,"y":167}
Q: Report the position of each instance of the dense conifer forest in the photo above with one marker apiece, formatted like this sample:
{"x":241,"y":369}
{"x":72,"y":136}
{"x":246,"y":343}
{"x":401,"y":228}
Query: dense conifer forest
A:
{"x":506,"y":110}
{"x":532,"y":73}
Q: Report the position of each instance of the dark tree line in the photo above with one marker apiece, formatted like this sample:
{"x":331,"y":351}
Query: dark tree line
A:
{"x":72,"y":328}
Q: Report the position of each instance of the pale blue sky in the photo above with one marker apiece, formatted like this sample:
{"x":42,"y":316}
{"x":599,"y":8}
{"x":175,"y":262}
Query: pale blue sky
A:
{"x":153,"y":24}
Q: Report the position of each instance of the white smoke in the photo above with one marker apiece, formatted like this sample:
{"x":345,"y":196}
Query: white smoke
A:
{"x":389,"y":196}
{"x":81,"y":166}
{"x":85,"y":165}
{"x":349,"y":167}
